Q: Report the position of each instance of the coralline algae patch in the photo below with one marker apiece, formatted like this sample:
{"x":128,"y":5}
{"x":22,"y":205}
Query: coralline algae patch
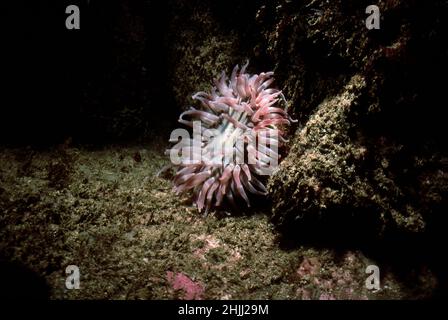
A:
{"x":180,"y":282}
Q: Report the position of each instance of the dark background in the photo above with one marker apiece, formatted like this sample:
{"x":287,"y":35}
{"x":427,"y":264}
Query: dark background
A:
{"x":110,"y":81}
{"x":93,"y":84}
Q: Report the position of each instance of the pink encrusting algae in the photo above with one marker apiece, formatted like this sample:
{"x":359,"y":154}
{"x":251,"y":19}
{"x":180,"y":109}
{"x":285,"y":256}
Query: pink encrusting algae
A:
{"x":240,"y":126}
{"x":192,"y":290}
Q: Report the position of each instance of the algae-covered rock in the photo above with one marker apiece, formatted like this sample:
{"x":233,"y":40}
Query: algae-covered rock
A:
{"x":325,"y":173}
{"x":199,"y":49}
{"x":369,"y":147}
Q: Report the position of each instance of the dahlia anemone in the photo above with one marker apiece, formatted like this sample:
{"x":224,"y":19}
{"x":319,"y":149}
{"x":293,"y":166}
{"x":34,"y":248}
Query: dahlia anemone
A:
{"x":236,"y":137}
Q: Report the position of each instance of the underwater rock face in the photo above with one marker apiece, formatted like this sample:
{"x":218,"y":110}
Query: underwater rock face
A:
{"x":322,"y":155}
{"x":370,"y":151}
{"x":377,"y":157}
{"x":324,"y":172}
{"x":199,"y":50}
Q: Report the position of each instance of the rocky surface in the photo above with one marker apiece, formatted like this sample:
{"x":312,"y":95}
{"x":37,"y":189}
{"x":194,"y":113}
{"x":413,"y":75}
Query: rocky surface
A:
{"x":367,"y":161}
{"x":363,"y":182}
{"x":110,"y":213}
{"x":379,"y":151}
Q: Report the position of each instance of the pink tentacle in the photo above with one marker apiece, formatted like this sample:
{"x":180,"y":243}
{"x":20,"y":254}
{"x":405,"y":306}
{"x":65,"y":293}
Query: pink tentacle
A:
{"x":220,"y":107}
{"x":241,"y":86}
{"x":203,"y":193}
{"x":243,"y":69}
{"x":268,"y":104}
{"x":226,"y":175}
{"x":219,"y":194}
{"x":186,"y":170}
{"x":235,"y":122}
{"x":193,"y":181}
{"x":250,"y":187}
{"x":238,"y":185}
{"x":182,"y":179}
{"x":257,"y":183}
{"x":258,"y":114}
{"x":270,"y":122}
{"x":211,"y":193}
{"x":206,"y":117}
{"x":246,"y":171}
{"x":262,"y":77}
{"x":222,"y":86}
{"x":265,"y":85}
{"x":265,"y":98}
{"x":230,"y":197}
{"x":252,"y":80}
{"x":247,"y":108}
{"x":233,"y":78}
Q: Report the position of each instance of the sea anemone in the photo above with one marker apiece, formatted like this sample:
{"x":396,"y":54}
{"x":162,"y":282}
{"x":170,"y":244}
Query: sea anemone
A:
{"x":236,"y":138}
